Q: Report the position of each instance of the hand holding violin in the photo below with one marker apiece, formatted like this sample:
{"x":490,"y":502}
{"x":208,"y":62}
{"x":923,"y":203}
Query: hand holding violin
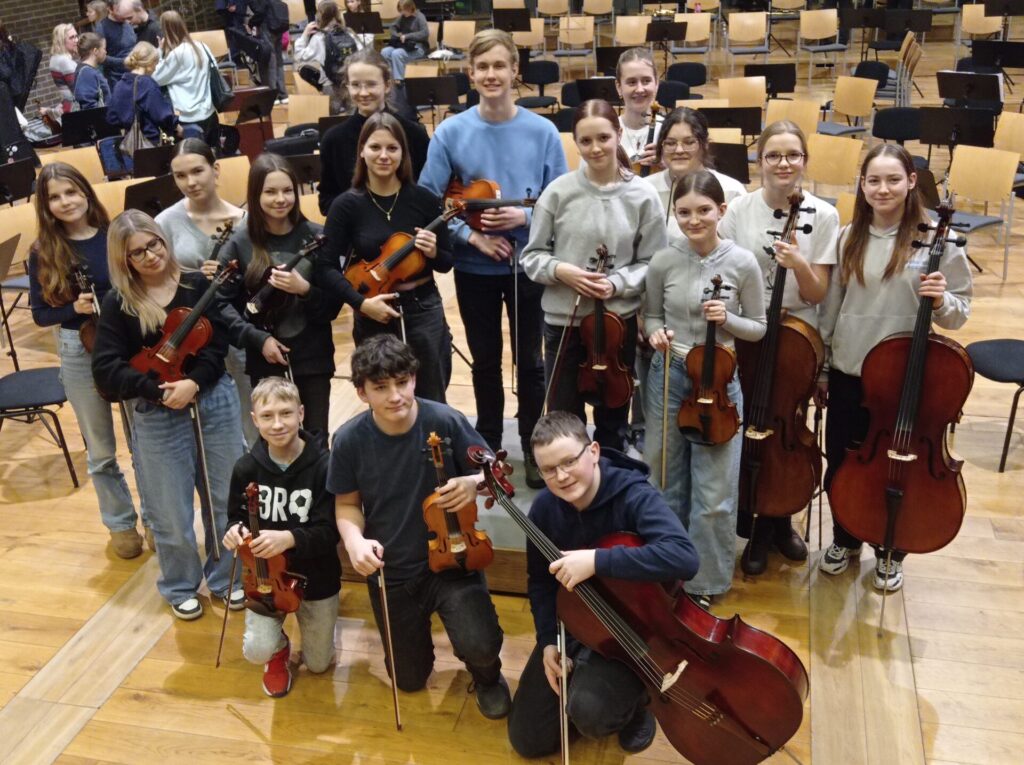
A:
{"x":503,"y":218}
{"x":587,"y":283}
{"x":179,"y":394}
{"x":83,"y":304}
{"x":458,"y":491}
{"x":714,"y":311}
{"x":426,"y":242}
{"x":661,"y":339}
{"x":553,"y":667}
{"x":933,"y":285}
{"x":378,"y":308}
{"x":290,"y":281}
{"x":209,"y":268}
{"x":274,"y":351}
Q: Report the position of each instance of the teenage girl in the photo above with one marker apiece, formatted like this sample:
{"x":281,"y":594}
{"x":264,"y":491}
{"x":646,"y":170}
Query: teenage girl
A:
{"x":636,"y":80}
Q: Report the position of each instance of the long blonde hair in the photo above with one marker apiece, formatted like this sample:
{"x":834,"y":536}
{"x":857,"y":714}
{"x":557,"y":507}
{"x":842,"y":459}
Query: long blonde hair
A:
{"x":135,"y":300}
{"x":60,"y":36}
{"x":54,"y":253}
{"x":176,"y":33}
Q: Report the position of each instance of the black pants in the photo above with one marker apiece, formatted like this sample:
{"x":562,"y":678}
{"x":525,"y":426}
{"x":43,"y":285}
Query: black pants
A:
{"x":610,"y":425}
{"x":468,"y":616}
{"x":603,"y":696}
{"x":426,"y":332}
{"x":315,"y":395}
{"x":480,"y":302}
{"x":846,"y":427}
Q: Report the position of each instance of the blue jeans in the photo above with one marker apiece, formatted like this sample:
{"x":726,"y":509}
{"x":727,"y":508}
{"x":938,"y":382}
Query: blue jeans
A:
{"x":702,"y":481}
{"x":97,"y":425}
{"x":399,"y":57}
{"x":166,"y":450}
{"x":235,"y":364}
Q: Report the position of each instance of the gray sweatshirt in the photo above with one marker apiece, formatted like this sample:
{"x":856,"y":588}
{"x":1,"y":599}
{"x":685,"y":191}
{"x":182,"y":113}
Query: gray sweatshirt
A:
{"x":191,"y":246}
{"x":676,"y":280}
{"x":573,"y":217}
{"x":855,"y":318}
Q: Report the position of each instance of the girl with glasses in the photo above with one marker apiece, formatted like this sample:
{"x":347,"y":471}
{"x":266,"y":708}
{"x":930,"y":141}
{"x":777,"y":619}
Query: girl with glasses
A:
{"x":149,"y":284}
{"x":749,"y":221}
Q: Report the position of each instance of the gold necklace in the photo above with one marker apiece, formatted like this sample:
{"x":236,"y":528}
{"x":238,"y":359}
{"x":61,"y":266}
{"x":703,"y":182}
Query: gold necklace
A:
{"x":387,"y":213}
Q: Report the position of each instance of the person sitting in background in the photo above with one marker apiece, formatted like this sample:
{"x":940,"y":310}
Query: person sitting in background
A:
{"x":63,"y":63}
{"x":120,"y":38}
{"x":409,"y":34}
{"x":321,"y":50}
{"x":138,"y":94}
{"x":364,"y":40}
{"x":91,"y":88}
{"x":147,"y":29}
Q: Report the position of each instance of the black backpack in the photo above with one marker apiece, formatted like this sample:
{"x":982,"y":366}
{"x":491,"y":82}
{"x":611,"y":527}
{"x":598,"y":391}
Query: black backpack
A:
{"x":275,"y":16}
{"x":338,"y":46}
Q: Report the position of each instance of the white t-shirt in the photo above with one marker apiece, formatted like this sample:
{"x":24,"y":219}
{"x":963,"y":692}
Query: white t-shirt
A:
{"x":634,"y":140}
{"x":747,"y":222}
{"x":733,"y":189}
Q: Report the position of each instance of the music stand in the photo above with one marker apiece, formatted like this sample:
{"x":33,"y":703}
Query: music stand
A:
{"x":16,"y":180}
{"x":1000,"y":54}
{"x":364,"y":23}
{"x":778,"y":78}
{"x":86,"y":126}
{"x":599,"y":87}
{"x":746,"y":118}
{"x":861,"y":18}
{"x":1006,"y":9}
{"x":432,"y":92}
{"x":731,"y":159}
{"x":152,"y":162}
{"x":254,"y":104}
{"x":971,"y":89}
{"x":608,"y":58}
{"x":306,"y":168}
{"x":944,"y":126}
{"x":153,"y":196}
{"x":661,"y":33}
{"x":511,"y":19}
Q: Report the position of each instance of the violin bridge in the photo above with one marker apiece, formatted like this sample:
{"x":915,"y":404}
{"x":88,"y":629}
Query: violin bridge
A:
{"x":898,"y":457}
{"x":669,"y":680}
{"x":375,"y":275}
{"x":457,"y":545}
{"x":757,"y":435}
{"x":599,"y":367}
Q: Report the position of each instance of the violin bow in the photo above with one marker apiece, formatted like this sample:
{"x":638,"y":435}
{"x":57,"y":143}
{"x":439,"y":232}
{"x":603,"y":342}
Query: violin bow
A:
{"x":664,"y":417}
{"x":224,"y":624}
{"x":388,"y":647}
{"x":205,"y":498}
{"x":559,"y":355}
{"x":563,"y":693}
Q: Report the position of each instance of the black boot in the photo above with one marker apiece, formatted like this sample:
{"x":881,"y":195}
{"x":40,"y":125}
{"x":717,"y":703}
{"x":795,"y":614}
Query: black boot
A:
{"x":754,"y":560}
{"x":790,"y":543}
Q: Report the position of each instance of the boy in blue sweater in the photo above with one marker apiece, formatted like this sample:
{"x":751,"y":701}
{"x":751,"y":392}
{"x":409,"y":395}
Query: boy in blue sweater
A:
{"x":590,"y":492}
{"x":522,"y":152}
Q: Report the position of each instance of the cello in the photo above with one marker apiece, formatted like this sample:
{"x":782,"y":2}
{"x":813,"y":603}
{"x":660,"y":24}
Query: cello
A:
{"x":780,"y":466}
{"x":602,"y":378}
{"x":902,"y":489}
{"x":454,"y":540}
{"x":267,"y":300}
{"x":724,"y":693}
{"x":270,"y":589}
{"x":707,"y":416}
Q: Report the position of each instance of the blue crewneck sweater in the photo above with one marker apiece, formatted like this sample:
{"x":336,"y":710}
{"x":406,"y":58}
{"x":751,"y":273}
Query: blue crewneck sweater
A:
{"x":522,"y":155}
{"x":92,"y":253}
{"x":625,"y":501}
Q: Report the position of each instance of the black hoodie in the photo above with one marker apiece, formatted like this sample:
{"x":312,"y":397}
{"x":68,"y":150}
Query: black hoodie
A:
{"x":625,"y":501}
{"x":296,"y":500}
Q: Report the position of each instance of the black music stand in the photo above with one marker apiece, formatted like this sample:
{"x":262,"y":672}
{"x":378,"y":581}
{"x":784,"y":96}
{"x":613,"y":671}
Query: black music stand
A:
{"x":860,"y":18}
{"x":255,"y":104}
{"x":778,"y":78}
{"x":306,"y":167}
{"x":364,"y":23}
{"x":999,"y":54}
{"x":944,"y":126}
{"x":432,"y":92}
{"x":599,"y":87}
{"x":661,"y":33}
{"x":731,"y":159}
{"x":511,"y":19}
{"x":153,"y":196}
{"x":608,"y":58}
{"x":1006,"y":9}
{"x":17,"y":180}
{"x":972,"y":90}
{"x":152,"y":162}
{"x":86,"y":126}
{"x":746,"y":118}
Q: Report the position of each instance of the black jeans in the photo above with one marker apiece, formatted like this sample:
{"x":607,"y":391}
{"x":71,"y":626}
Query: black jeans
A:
{"x":611,"y":426}
{"x":480,"y":301}
{"x":468,"y":615}
{"x":603,"y":696}
{"x":426,"y":332}
{"x":315,"y":395}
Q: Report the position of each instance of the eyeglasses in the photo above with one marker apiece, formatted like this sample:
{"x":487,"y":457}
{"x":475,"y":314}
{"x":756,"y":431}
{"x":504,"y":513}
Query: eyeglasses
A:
{"x":791,"y":157}
{"x":671,"y":144}
{"x":155,"y":246}
{"x":565,"y":465}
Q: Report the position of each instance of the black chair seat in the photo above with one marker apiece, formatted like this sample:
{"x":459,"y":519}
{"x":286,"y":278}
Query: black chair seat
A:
{"x":825,"y":48}
{"x":537,"y":102}
{"x":31,"y":389}
{"x":999,"y":360}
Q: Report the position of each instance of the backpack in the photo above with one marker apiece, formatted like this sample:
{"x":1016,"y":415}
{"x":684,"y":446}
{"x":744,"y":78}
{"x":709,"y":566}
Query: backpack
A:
{"x":338,"y":46}
{"x":276,"y":17}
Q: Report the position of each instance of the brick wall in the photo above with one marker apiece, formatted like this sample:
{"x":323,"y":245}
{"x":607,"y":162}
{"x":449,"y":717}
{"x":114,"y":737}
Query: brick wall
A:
{"x":34,"y":20}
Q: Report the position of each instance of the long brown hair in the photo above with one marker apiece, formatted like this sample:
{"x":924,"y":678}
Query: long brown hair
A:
{"x":175,"y":33}
{"x":390,"y":123}
{"x":598,"y":107}
{"x":54,"y":253}
{"x":256,"y":222}
{"x":851,"y":261}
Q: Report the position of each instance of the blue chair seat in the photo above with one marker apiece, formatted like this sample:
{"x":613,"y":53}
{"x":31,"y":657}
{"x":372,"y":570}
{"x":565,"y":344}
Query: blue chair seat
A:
{"x":1001,"y":361}
{"x":31,"y":389}
{"x":756,"y":50}
{"x":838,"y":129}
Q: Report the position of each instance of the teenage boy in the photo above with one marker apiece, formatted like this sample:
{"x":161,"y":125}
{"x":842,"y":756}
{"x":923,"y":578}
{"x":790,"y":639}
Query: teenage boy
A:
{"x":296,"y":517}
{"x":381,"y":472}
{"x":521,"y":151}
{"x":590,"y":492}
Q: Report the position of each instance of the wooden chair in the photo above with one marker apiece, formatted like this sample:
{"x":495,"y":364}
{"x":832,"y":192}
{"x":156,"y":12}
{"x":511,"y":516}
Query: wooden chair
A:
{"x":844,"y":206}
{"x":388,"y":10}
{"x":86,"y":160}
{"x":631,"y":31}
{"x":572,"y":152}
{"x":602,"y":11}
{"x":833,"y":161}
{"x":803,"y":113}
{"x":699,"y":35}
{"x":422,"y":69}
{"x":743,"y":91}
{"x":534,"y":39}
{"x":433,"y":28}
{"x":746,"y":35}
{"x":309,"y":204}
{"x":725,"y":135}
{"x":552,"y":9}
{"x":714,"y":7}
{"x":304,"y":109}
{"x":304,"y":88}
{"x":296,"y":12}
{"x":234,"y":179}
{"x":457,"y":35}
{"x":821,"y":27}
{"x":974,"y":23}
{"x":854,"y":99}
{"x":20,"y":219}
{"x":704,"y":103}
{"x":576,"y":39}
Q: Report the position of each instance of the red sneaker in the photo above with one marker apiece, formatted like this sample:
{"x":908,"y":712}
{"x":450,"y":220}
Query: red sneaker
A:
{"x":277,"y":675}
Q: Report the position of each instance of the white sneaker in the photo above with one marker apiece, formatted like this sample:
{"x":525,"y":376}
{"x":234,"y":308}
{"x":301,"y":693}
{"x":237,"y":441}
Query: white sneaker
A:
{"x":188,"y":610}
{"x":888,"y":577}
{"x":836,"y":559}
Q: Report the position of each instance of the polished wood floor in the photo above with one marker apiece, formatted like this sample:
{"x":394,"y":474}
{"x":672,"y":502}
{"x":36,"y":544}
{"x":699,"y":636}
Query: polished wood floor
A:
{"x":94,"y":669}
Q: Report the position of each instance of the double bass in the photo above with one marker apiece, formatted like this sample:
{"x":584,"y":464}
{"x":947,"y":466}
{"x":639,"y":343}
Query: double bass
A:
{"x":603,"y":379}
{"x":270,"y":589}
{"x":902,"y":489}
{"x":780,"y":467}
{"x":723,"y":692}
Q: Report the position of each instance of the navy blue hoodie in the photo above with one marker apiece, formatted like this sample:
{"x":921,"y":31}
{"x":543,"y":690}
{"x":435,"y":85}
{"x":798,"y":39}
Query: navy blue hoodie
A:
{"x":625,"y":501}
{"x":296,"y":500}
{"x":147,"y":100}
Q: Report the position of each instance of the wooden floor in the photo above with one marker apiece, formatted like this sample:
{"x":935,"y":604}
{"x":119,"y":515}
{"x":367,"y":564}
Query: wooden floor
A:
{"x":93,"y":668}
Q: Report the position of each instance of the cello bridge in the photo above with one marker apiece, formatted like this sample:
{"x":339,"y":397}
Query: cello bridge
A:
{"x":669,"y":680}
{"x":900,"y":457}
{"x":757,"y":435}
{"x":705,"y":401}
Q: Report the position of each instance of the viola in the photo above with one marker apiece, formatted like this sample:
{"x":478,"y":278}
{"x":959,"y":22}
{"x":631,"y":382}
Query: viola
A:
{"x":185,"y":333}
{"x":478,"y":196}
{"x":780,"y":467}
{"x":87,"y":331}
{"x":399,"y":259}
{"x":603,"y":379}
{"x":901,"y":489}
{"x":724,"y":693}
{"x":454,"y":541}
{"x":707,"y":416}
{"x":644,"y":170}
{"x":267,"y":300}
{"x":270,"y":589}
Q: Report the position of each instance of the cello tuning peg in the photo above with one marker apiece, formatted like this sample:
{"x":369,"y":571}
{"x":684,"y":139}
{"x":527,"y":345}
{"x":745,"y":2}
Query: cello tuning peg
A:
{"x":769,"y":251}
{"x":923,"y":227}
{"x":489,"y":503}
{"x":506,"y":468}
{"x":806,"y":228}
{"x":959,"y":240}
{"x":807,"y":210}
{"x":774,"y":233}
{"x":779,"y":214}
{"x":917,"y":244}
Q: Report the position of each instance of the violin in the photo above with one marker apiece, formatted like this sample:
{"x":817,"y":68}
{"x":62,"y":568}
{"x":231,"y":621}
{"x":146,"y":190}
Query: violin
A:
{"x":454,"y":540}
{"x":707,"y":416}
{"x":901,"y":489}
{"x":270,"y":589}
{"x":266,"y":299}
{"x":724,"y":693}
{"x":399,"y":260}
{"x":185,"y":333}
{"x":780,"y":467}
{"x":644,"y":170}
{"x":87,"y":331}
{"x":478,"y":196}
{"x":603,"y":379}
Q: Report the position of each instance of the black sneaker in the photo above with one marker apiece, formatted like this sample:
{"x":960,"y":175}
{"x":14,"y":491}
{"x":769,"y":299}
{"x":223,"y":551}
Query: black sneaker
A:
{"x":639,"y":732}
{"x":791,"y":545}
{"x":533,"y":478}
{"x":754,"y":560}
{"x":494,"y":700}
